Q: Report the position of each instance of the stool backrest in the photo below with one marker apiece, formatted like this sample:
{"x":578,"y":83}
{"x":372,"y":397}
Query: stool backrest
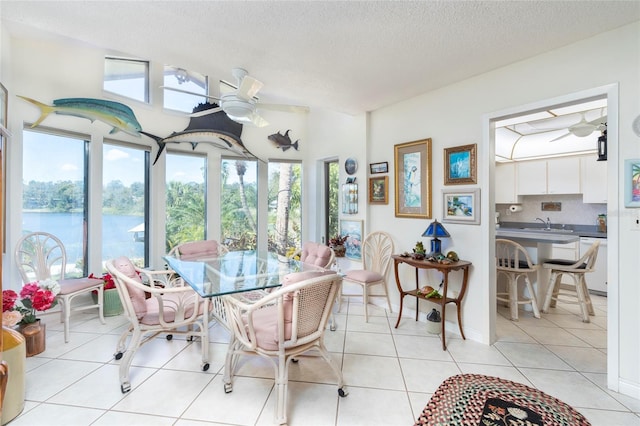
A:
{"x":512,"y":256}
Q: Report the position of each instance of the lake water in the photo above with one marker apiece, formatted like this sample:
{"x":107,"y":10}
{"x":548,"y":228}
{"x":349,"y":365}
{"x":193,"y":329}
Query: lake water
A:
{"x":116,"y":238}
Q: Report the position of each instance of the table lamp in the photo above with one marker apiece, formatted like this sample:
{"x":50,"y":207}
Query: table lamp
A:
{"x":435,"y":230}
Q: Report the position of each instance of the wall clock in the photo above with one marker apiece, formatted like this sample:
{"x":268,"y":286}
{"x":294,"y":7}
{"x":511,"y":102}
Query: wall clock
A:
{"x":350,"y":165}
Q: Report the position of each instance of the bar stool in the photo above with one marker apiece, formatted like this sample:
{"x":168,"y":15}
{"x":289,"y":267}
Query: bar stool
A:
{"x":577,"y":269}
{"x":513,"y":261}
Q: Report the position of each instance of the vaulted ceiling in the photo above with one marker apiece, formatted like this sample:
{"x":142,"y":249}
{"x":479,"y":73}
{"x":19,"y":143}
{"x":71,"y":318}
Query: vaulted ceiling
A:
{"x":348,"y":56}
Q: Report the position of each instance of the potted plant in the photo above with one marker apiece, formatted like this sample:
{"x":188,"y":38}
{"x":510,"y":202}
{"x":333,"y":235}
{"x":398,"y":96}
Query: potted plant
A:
{"x":418,"y":251}
{"x":111,"y":303}
{"x":337,"y":244}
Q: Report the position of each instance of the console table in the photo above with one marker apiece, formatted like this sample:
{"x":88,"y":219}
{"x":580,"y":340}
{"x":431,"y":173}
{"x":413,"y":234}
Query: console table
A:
{"x":462,"y":265}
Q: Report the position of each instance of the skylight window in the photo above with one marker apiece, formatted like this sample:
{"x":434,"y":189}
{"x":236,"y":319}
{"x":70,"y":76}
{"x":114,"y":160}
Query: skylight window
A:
{"x":127,"y":77}
{"x":187,"y":85}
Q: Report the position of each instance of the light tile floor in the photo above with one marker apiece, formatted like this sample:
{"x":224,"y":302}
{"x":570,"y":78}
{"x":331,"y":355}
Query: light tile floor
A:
{"x":390,"y":373}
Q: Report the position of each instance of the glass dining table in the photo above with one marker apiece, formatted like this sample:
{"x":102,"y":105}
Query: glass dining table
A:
{"x":247,"y":274}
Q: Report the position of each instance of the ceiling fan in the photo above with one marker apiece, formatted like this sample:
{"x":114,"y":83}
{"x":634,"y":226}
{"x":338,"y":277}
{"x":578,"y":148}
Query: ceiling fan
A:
{"x":581,"y":128}
{"x":240,"y":103}
{"x":584,"y":128}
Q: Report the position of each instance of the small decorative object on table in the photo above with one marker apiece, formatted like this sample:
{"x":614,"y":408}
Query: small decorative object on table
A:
{"x":21,"y":310}
{"x":337,"y":244}
{"x":418,"y":251}
{"x":111,"y":304}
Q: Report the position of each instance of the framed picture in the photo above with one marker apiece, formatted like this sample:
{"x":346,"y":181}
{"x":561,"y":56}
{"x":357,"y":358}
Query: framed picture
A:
{"x":413,"y":179}
{"x":379,"y":167}
{"x":460,"y":165}
{"x":632,"y":183}
{"x":352,"y":229}
{"x":461,"y":206}
{"x":4,"y":96}
{"x":379,"y":190}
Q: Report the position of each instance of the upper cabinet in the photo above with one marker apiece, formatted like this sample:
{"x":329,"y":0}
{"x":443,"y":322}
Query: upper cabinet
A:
{"x":594,"y":179}
{"x":506,"y":183}
{"x":552,"y":176}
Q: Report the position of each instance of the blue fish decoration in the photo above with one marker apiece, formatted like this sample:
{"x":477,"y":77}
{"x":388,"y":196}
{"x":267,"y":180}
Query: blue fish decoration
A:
{"x":115,"y":114}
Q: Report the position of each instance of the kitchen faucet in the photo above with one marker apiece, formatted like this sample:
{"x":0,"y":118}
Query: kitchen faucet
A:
{"x":547,"y":223}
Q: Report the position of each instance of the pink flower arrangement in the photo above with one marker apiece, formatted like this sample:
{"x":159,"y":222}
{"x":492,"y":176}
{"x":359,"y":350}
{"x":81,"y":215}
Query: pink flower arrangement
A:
{"x":107,"y":280}
{"x":34,"y":297}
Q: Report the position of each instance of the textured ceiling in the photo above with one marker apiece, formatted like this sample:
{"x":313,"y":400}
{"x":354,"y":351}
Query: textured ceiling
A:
{"x":347,"y":56}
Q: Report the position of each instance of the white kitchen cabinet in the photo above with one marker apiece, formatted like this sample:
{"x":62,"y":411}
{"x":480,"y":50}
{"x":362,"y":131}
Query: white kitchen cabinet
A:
{"x":553,"y":176}
{"x":532,"y":178}
{"x":594,"y":179}
{"x":563,"y":175}
{"x":505,"y":179}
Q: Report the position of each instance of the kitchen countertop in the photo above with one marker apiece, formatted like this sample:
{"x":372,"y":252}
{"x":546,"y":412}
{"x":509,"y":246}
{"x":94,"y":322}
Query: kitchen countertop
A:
{"x":537,"y":236}
{"x":578,"y":230}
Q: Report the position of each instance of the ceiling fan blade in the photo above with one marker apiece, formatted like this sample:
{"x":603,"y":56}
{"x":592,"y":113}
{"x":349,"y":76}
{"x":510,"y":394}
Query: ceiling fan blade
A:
{"x":560,"y":137}
{"x":284,"y":108}
{"x":205,"y":112}
{"x":188,"y":92}
{"x":254,"y":120}
{"x":249,"y":86}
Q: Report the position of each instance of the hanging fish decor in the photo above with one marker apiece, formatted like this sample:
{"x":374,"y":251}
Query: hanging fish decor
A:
{"x":115,"y":114}
{"x":215,"y":128}
{"x":283,"y":141}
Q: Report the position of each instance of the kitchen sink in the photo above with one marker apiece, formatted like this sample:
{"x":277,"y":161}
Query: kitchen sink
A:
{"x":552,"y":230}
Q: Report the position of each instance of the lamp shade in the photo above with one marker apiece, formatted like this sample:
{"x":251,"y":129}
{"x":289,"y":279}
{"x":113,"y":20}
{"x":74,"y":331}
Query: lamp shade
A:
{"x":436,"y":230}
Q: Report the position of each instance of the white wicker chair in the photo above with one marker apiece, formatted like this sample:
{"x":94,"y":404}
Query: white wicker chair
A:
{"x":286,"y":324}
{"x":193,"y":250}
{"x":172,"y":308}
{"x":316,"y":254}
{"x":37,"y":256}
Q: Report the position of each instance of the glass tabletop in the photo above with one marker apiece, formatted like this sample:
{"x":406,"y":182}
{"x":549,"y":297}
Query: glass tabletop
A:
{"x":236,"y":272}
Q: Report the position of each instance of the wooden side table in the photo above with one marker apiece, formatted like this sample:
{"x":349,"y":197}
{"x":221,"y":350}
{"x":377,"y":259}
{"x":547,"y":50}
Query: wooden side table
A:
{"x":444,"y":300}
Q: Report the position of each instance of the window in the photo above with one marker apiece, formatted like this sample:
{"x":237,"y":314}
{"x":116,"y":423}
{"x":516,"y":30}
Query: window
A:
{"x":127,"y":77}
{"x":284,"y":225}
{"x":187,"y":81}
{"x":332,"y":189}
{"x":54,"y":192}
{"x":125,"y":203}
{"x":186,"y":198}
{"x":238,"y":204}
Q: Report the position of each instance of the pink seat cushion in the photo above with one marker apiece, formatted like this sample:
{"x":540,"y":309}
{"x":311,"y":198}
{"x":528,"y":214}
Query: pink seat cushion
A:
{"x":363,"y":276}
{"x":315,"y":254}
{"x":71,"y":285}
{"x":199,"y":250}
{"x":138,"y":300}
{"x":265,"y":321}
{"x":152,"y":316}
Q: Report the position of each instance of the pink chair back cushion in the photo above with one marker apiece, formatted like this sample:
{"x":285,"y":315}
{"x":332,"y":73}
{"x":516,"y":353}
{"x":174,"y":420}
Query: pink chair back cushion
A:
{"x":363,"y":276}
{"x":71,"y":285}
{"x":265,"y":321}
{"x":152,"y":316}
{"x":315,"y":254}
{"x":138,"y":300}
{"x":198,"y":250}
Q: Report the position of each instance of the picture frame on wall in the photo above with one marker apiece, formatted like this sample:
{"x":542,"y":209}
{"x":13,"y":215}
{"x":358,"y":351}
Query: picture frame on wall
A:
{"x":460,"y":165}
{"x":461,"y":206}
{"x":379,"y":167}
{"x":413,"y":179}
{"x":379,"y":190}
{"x":632,"y":183}
{"x":353,"y":230}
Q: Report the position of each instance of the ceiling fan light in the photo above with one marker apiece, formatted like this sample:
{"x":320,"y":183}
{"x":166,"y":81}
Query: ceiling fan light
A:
{"x":582,"y":131}
{"x":235,"y":107}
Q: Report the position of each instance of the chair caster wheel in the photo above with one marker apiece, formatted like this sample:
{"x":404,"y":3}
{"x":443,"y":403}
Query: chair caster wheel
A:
{"x":205,"y":367}
{"x":342,"y":392}
{"x":169,"y":336}
{"x":118,"y":356}
{"x":228,"y":388}
{"x":190,"y":339}
{"x":295,"y":360}
{"x":333,"y":327}
{"x":125,"y":387}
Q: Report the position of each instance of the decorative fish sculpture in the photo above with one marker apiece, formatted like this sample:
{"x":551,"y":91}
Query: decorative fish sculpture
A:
{"x":216,"y":128}
{"x":283,"y":141}
{"x":115,"y":114}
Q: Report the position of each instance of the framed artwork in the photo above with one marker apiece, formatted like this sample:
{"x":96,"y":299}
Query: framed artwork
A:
{"x":4,"y":96}
{"x":461,"y":206}
{"x":379,"y":190}
{"x":632,"y":183}
{"x":460,"y":165}
{"x":350,"y":165}
{"x":379,"y":167}
{"x":352,"y":229}
{"x":350,"y":198}
{"x":413,"y":179}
